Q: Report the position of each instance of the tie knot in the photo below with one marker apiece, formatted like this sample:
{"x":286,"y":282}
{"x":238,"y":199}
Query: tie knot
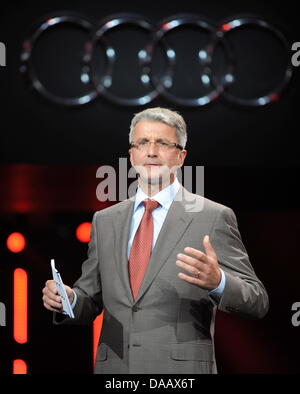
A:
{"x":150,"y":205}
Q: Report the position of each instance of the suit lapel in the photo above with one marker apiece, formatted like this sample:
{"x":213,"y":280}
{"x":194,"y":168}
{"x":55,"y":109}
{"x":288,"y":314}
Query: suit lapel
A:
{"x":122,"y":230}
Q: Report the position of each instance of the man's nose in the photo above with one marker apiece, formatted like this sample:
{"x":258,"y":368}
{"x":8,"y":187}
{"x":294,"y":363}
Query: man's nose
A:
{"x":152,"y":149}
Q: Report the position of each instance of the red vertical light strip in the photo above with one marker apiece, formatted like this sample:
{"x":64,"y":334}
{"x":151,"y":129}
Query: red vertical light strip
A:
{"x":97,"y":327}
{"x":20,"y":325}
{"x":19,"y":367}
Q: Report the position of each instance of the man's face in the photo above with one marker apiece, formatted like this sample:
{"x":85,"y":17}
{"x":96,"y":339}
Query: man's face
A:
{"x":155,"y":165}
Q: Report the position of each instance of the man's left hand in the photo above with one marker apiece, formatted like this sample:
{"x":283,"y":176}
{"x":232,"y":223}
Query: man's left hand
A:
{"x":203,"y":267}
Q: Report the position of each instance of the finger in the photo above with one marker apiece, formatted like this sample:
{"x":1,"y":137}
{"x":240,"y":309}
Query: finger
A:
{"x":52,"y":303}
{"x":197,"y":254}
{"x":51,"y":297}
{"x":190,"y":279}
{"x":192,"y":260}
{"x":52,"y":309}
{"x":190,"y":269}
{"x":50,"y":284}
{"x":51,"y":294}
{"x":208,"y":248}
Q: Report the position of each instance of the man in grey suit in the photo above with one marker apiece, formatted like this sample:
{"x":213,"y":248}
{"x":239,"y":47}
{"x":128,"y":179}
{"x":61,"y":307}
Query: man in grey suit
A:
{"x":160,"y":318}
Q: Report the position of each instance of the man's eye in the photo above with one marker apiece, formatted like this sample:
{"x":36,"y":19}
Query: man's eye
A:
{"x":143,"y":142}
{"x":163,"y":143}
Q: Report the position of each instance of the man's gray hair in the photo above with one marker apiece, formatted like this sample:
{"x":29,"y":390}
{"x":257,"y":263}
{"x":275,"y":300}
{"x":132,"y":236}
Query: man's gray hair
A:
{"x":164,"y":115}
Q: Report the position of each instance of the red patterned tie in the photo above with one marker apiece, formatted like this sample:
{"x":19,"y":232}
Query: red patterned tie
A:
{"x":141,"y":248}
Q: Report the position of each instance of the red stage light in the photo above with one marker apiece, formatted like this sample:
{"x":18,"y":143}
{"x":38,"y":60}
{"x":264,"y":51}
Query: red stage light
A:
{"x":19,"y":367}
{"x":16,"y":242}
{"x":83,"y":232}
{"x":20,"y":322}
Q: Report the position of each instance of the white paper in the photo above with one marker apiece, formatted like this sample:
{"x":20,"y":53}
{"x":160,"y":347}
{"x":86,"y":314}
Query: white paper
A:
{"x":62,"y":291}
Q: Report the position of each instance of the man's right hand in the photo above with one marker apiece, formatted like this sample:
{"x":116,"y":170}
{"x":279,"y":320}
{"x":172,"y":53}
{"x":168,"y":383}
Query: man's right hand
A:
{"x":51,"y":298}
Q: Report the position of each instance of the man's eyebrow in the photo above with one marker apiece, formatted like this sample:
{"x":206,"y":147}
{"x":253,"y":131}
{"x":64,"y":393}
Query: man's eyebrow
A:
{"x":143,"y":139}
{"x":156,"y":139}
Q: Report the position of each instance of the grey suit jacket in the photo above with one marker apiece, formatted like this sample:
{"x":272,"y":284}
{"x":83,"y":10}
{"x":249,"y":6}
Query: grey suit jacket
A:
{"x":169,"y":328}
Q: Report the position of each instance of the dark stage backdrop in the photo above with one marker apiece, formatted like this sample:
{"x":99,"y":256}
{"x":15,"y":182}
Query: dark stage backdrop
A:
{"x":49,"y":155}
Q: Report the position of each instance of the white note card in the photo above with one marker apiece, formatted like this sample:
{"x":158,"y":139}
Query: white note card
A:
{"x":62,"y":291}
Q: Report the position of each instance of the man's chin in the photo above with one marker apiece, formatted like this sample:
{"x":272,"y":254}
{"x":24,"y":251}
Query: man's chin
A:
{"x":150,"y":180}
{"x":156,"y":179}
{"x":155,"y":175}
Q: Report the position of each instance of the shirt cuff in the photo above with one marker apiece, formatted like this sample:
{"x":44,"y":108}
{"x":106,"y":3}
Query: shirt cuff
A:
{"x":218,"y":291}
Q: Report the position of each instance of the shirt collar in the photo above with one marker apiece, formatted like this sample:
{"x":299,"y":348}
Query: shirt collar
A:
{"x":165,"y":197}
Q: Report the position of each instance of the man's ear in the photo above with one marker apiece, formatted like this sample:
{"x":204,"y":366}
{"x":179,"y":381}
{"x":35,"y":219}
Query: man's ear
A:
{"x":130,"y":156}
{"x":183,"y":154}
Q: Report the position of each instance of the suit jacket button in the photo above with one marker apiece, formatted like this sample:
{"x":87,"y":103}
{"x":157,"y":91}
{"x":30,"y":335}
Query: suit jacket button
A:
{"x":135,"y":308}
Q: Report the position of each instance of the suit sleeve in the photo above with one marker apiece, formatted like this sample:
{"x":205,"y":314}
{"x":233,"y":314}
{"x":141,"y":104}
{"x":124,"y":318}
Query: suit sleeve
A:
{"x":87,"y":287}
{"x":244,"y":294}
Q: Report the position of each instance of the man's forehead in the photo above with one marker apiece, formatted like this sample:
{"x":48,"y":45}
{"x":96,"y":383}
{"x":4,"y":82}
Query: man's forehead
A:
{"x":155,"y":129}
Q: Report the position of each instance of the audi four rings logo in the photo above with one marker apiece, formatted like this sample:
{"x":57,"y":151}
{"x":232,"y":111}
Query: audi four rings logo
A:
{"x":155,"y":85}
